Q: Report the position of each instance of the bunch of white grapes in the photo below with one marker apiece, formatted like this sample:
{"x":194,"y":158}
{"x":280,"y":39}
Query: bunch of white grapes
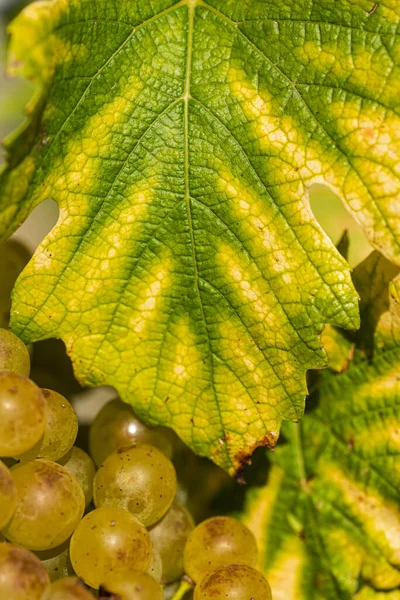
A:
{"x":78,"y":527}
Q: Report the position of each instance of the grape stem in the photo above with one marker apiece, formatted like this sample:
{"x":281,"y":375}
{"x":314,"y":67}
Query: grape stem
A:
{"x":182,"y":590}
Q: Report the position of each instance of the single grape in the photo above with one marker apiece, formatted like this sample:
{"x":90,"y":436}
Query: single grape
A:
{"x":139,"y":479}
{"x":14,"y":355}
{"x":133,"y":585}
{"x":155,"y":567}
{"x":22,"y":575}
{"x":108,"y":540}
{"x":22,"y":414}
{"x":69,"y":588}
{"x":116,"y":426}
{"x":13,"y":258}
{"x":8,"y":495}
{"x":169,"y":536}
{"x":50,"y":503}
{"x":60,"y":432}
{"x":233,"y":582}
{"x":82,"y":467}
{"x":57,"y":561}
{"x":216,"y":542}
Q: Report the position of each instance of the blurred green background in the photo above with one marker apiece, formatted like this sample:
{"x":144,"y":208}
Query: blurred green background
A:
{"x":14,"y":95}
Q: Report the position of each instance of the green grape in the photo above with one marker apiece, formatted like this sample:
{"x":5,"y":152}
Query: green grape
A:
{"x":216,"y":542}
{"x":233,"y":582}
{"x":60,"y":432}
{"x":169,"y":536}
{"x":155,"y":567}
{"x":13,"y":258}
{"x":22,"y":575}
{"x":14,"y":355}
{"x":108,"y":540}
{"x":8,"y":495}
{"x":139,"y":479}
{"x":50,"y":503}
{"x":82,"y":467}
{"x":69,"y":588}
{"x":116,"y":426}
{"x":22,"y":414}
{"x":57,"y":561}
{"x":133,"y":585}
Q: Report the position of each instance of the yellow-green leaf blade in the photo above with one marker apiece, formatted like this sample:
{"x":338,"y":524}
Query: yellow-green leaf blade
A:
{"x":186,"y":268}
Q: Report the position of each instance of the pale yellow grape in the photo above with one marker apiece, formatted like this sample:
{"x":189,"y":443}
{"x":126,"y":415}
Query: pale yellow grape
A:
{"x":139,"y":479}
{"x":60,"y":432}
{"x":14,"y":355}
{"x":116,"y":426}
{"x":233,"y":582}
{"x":8,"y":495}
{"x":50,"y":504}
{"x":216,"y":542}
{"x":108,"y":540}
{"x":169,"y":536}
{"x":57,"y":561}
{"x":70,"y":588}
{"x":22,"y":575}
{"x":82,"y":467}
{"x":155,"y":567}
{"x":22,"y":414}
{"x":133,"y":585}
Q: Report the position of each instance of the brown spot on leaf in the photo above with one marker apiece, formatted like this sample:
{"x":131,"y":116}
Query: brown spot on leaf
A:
{"x":242,"y":458}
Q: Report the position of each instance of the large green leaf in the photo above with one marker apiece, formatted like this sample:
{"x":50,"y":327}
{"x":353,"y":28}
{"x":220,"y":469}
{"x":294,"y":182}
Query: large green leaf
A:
{"x":328,"y":520}
{"x":179,"y":139}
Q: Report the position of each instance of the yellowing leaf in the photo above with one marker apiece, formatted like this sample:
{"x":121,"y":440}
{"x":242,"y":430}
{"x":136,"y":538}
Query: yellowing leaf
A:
{"x":330,"y":512}
{"x":338,"y":348}
{"x":179,"y":139}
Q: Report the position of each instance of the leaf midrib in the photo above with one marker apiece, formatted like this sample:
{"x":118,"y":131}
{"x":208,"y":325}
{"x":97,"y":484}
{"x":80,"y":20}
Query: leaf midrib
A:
{"x":186,"y":98}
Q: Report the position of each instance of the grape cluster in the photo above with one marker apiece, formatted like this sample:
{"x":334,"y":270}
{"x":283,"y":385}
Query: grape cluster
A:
{"x":109,"y":525}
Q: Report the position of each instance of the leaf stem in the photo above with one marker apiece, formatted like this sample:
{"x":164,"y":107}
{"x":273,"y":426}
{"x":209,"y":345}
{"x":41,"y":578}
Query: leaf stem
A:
{"x":184,"y":587}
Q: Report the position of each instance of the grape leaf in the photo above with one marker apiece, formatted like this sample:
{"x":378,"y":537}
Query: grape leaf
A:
{"x":179,"y":139}
{"x":328,"y":519}
{"x":338,"y":348}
